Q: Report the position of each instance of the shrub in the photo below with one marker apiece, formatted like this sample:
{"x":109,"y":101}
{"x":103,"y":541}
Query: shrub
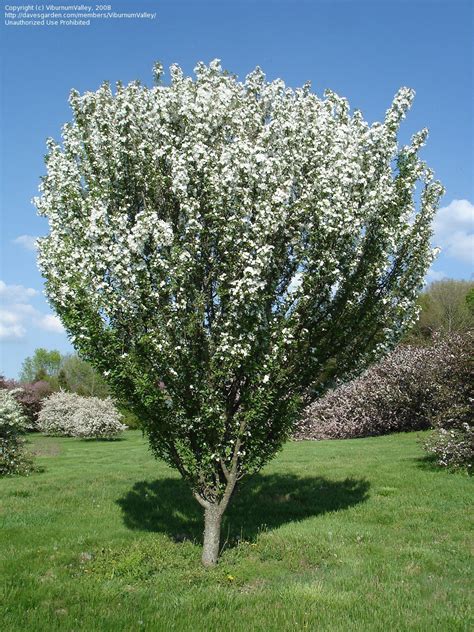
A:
{"x":413,"y":388}
{"x":130,"y":419}
{"x":55,"y":417}
{"x":97,"y":419}
{"x":452,"y":440}
{"x":13,"y":423}
{"x":29,"y":396}
{"x":453,"y":447}
{"x":71,"y":415}
{"x":398,"y":393}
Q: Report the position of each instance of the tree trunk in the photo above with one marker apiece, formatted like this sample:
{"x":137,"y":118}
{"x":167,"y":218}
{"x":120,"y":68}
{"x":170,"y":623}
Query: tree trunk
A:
{"x":213,"y":512}
{"x":212,"y":534}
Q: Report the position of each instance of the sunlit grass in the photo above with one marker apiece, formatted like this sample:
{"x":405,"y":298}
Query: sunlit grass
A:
{"x":344,"y":535}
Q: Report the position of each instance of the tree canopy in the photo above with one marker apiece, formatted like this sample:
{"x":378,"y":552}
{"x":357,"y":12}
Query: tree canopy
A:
{"x":78,"y":376}
{"x":44,"y":364}
{"x":445,"y":308}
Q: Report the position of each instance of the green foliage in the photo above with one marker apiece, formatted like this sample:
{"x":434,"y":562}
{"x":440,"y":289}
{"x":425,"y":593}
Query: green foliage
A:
{"x":470,"y":301}
{"x":445,"y":307}
{"x":78,"y":376}
{"x":129,"y":418}
{"x":43,"y":365}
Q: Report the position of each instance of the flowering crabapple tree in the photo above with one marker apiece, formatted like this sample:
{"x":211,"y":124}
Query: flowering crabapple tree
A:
{"x":223,"y":250}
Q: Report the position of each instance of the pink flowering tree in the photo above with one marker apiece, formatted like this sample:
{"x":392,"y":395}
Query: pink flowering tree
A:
{"x":222,"y":251}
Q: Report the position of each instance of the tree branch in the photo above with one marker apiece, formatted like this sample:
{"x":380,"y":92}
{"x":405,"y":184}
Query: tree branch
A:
{"x":202,"y":501}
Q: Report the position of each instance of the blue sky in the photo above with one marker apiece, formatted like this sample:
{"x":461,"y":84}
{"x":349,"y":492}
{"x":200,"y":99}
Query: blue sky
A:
{"x":363,"y":50}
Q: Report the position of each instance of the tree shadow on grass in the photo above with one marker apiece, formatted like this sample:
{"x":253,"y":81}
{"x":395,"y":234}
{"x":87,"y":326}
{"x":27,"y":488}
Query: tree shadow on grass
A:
{"x":429,"y":462}
{"x":262,"y":502}
{"x":102,"y":439}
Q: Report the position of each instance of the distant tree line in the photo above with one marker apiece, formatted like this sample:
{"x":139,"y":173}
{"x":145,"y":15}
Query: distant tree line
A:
{"x":66,"y":372}
{"x":447,"y":306}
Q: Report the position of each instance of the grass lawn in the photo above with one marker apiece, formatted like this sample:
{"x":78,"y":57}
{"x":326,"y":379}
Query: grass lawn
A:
{"x":360,"y":534}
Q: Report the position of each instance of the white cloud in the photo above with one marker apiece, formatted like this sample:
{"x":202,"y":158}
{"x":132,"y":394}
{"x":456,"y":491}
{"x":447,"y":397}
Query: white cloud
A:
{"x":27,"y":241}
{"x":11,"y":332}
{"x":51,"y":323}
{"x":454,"y":230}
{"x":435,"y":275}
{"x":17,"y":315}
{"x":10,"y":327}
{"x":18,"y":293}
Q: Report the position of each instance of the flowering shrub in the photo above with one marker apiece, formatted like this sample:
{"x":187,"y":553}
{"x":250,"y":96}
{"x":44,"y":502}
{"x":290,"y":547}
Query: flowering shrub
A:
{"x":55,"y":417}
{"x":240,"y":242}
{"x":13,"y":423}
{"x":29,"y":395}
{"x":413,"y":388}
{"x":97,"y":419}
{"x":452,"y":440}
{"x":31,"y":398}
{"x":396,"y":394}
{"x":71,"y":415}
{"x":453,"y":447}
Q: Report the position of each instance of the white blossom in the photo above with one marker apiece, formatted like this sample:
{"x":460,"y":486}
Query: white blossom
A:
{"x":248,"y":239}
